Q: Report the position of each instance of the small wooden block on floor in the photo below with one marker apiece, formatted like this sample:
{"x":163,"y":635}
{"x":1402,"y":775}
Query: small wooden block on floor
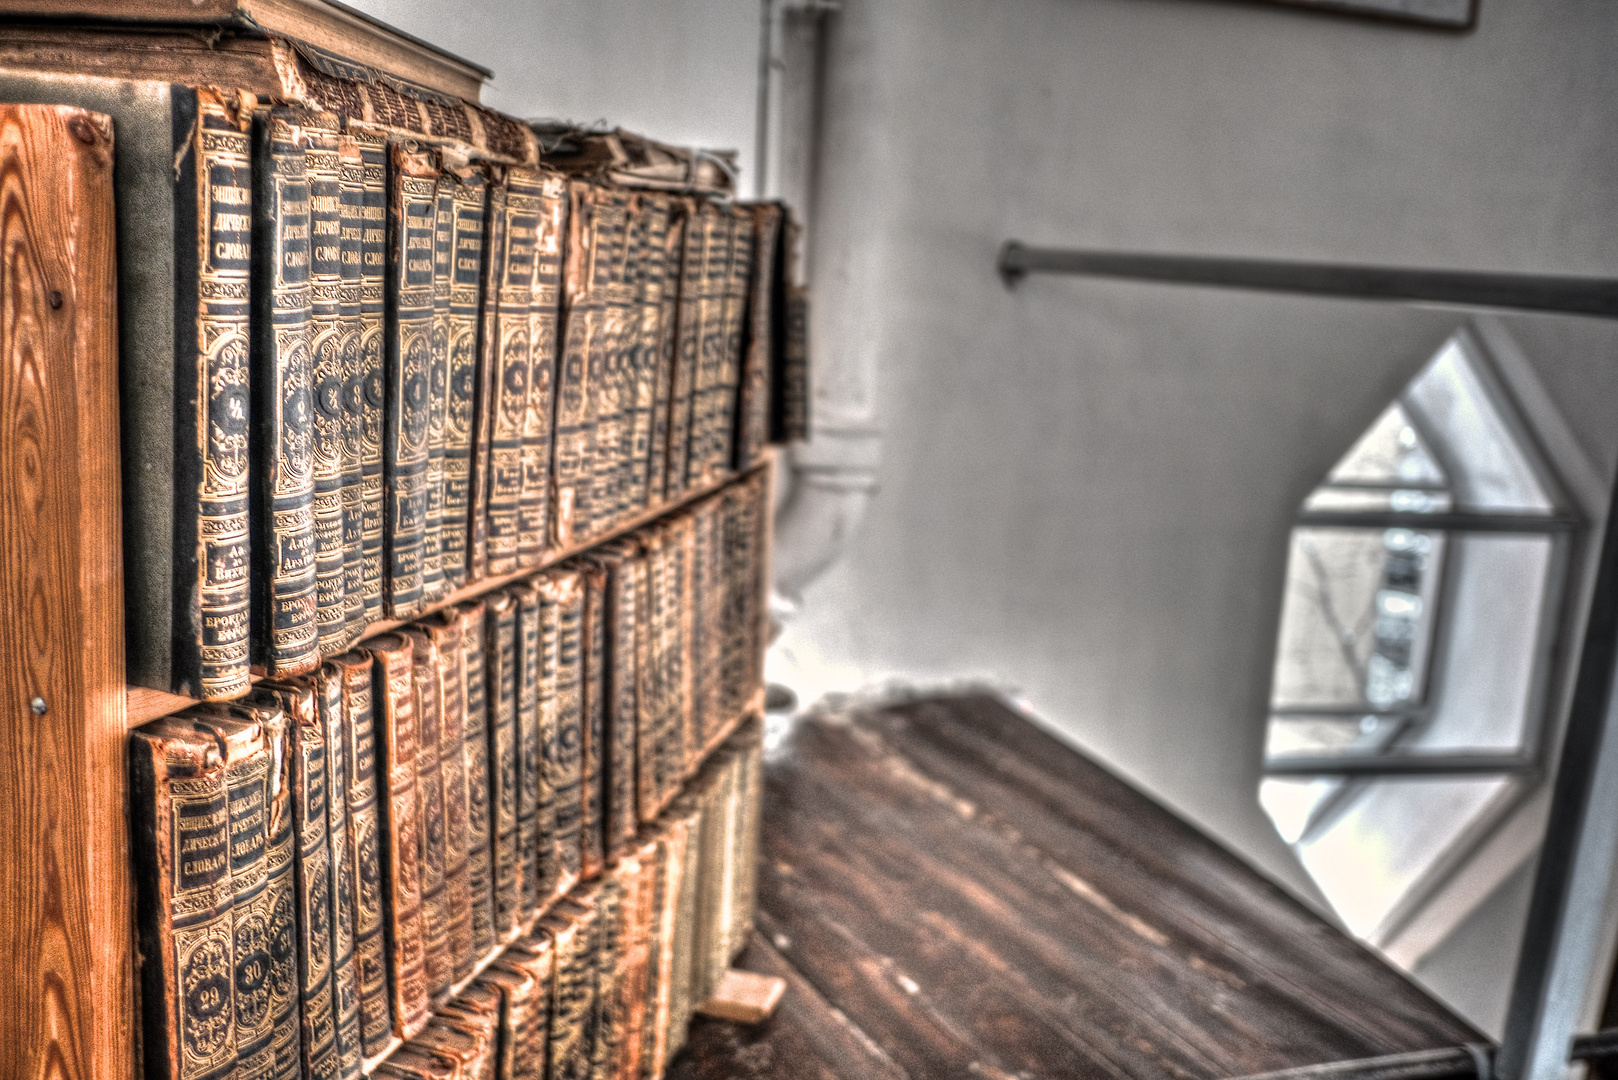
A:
{"x":745,"y":997}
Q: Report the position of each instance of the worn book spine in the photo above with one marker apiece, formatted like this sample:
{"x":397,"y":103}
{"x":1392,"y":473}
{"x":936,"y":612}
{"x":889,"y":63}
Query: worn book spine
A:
{"x":563,"y":591}
{"x":648,"y":351}
{"x":635,"y":980}
{"x":571,"y":928}
{"x":213,"y":208}
{"x":432,"y":552}
{"x":351,"y":230}
{"x":716,"y":902}
{"x":722,"y":448}
{"x":609,"y":281}
{"x":247,"y":761}
{"x":688,"y":741}
{"x":312,"y":876}
{"x":663,"y":359}
{"x":544,"y":656}
{"x":528,"y":662}
{"x":618,"y":817}
{"x":580,"y":318}
{"x":180,"y":837}
{"x":469,"y":1054}
{"x":412,"y":1063}
{"x":364,"y":842}
{"x":520,"y":211}
{"x":616,"y":903}
{"x":686,"y":350}
{"x":476,"y":1009}
{"x":615,"y":474}
{"x":412,"y":217}
{"x":707,"y":629}
{"x":594,"y":759}
{"x":283,"y":545}
{"x":687,"y":814}
{"x":278,"y":945}
{"x":329,"y":417}
{"x":791,"y":405}
{"x":665,"y":887}
{"x":533,"y":959}
{"x":651,"y":670}
{"x":393,"y":691}
{"x":445,"y":632}
{"x":524,"y":1021}
{"x":465,"y":281}
{"x":485,"y":394}
{"x":373,"y":334}
{"x":750,"y":745}
{"x":543,"y":313}
{"x":475,"y":751}
{"x":753,"y":409}
{"x":344,"y":876}
{"x":717,"y":250}
{"x":430,"y":824}
{"x":500,"y":630}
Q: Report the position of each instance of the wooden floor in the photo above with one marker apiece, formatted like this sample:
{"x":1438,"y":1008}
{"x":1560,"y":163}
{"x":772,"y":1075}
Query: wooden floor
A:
{"x":950,"y":892}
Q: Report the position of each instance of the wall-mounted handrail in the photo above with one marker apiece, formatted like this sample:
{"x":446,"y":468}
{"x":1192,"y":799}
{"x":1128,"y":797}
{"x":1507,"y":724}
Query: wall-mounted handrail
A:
{"x":1469,"y":288}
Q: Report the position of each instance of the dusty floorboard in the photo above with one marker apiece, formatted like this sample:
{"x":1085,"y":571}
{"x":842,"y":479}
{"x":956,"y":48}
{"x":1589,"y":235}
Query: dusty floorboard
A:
{"x":951,"y":892}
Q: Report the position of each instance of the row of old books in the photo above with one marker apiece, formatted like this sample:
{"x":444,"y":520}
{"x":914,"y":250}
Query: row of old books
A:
{"x":323,"y":862}
{"x":375,"y":349}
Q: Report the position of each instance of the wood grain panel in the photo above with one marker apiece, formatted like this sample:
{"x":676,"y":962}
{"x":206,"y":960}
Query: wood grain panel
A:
{"x":64,"y":935}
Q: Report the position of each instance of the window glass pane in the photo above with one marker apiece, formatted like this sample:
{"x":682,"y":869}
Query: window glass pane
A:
{"x":1392,"y":453}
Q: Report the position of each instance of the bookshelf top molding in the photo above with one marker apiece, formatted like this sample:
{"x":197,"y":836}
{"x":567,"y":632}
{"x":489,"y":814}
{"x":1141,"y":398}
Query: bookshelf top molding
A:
{"x":324,"y":24}
{"x":146,"y":704}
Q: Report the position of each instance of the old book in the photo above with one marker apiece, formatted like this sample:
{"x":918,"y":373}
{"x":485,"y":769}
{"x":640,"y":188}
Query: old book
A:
{"x":329,"y":372}
{"x":613,"y":473}
{"x":663,"y":360}
{"x":312,"y":875}
{"x":750,"y":808}
{"x":617,"y":685}
{"x":345,"y":877}
{"x":709,"y":717}
{"x":475,"y":1008}
{"x":431,"y":827}
{"x":485,"y":389}
{"x":696,"y":218}
{"x":520,"y":230}
{"x":790,"y":407}
{"x":665,"y":887}
{"x":533,"y":958}
{"x":445,"y":631}
{"x":256,"y":922}
{"x":530,"y":748}
{"x":282,"y":640}
{"x":373,"y":390}
{"x":652,"y":712}
{"x":543,"y":314}
{"x":562,"y":594}
{"x":475,"y":1057}
{"x":582,"y":310}
{"x":640,"y":916}
{"x":351,"y":229}
{"x":468,"y":196}
{"x":717,"y":889}
{"x":180,"y":837}
{"x":718,"y":248}
{"x":635,"y":161}
{"x":618,"y":904}
{"x":418,"y":1063}
{"x":475,"y":753}
{"x":646,"y":351}
{"x":393,"y":691}
{"x":412,"y":216}
{"x":364,"y":849}
{"x":686,"y":736}
{"x":593,"y":722}
{"x":689,"y":813}
{"x":500,"y":630}
{"x":753,"y":408}
{"x":571,"y":928}
{"x":609,"y":274}
{"x":733,"y":323}
{"x":524,"y":1021}
{"x":432,"y":572}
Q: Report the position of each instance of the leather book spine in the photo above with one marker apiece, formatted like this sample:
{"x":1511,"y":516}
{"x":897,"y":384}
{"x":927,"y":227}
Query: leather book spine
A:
{"x":430,"y":813}
{"x":753,"y":408}
{"x":532,"y":959}
{"x":413,"y":1063}
{"x":393,"y":691}
{"x":465,"y":285}
{"x":715,"y":336}
{"x":530,"y":771}
{"x":734,"y":321}
{"x":663,"y":358}
{"x":792,"y":380}
{"x":213,"y":206}
{"x":486,"y":389}
{"x":647,"y":353}
{"x":312,"y":876}
{"x":710,"y":596}
{"x":688,"y":815}
{"x":665,"y":888}
{"x":512,"y":353}
{"x":618,"y":817}
{"x":524,"y":1021}
{"x":329,"y":412}
{"x":634,"y":981}
{"x":412,"y":220}
{"x":280,"y":856}
{"x":475,"y":752}
{"x":364,"y":842}
{"x":445,"y":632}
{"x":373,"y":379}
{"x":594,"y":759}
{"x":253,"y":915}
{"x":468,"y":1053}
{"x":609,"y":278}
{"x":546,"y":865}
{"x":350,"y":233}
{"x":571,"y":928}
{"x":432,"y":557}
{"x":477,"y":1009}
{"x":686,"y":350}
{"x":685,"y":737}
{"x":720,"y":842}
{"x":344,"y":876}
{"x":180,"y":837}
{"x":612,"y":904}
{"x":750,"y":747}
{"x":543,"y":313}
{"x":500,"y":629}
{"x":563,"y":591}
{"x":651,"y":669}
{"x":580,"y":318}
{"x":283,"y":543}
